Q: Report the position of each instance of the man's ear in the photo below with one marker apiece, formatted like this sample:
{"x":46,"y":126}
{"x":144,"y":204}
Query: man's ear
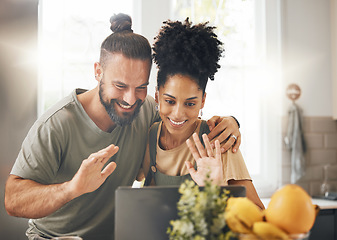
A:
{"x":203,"y":100}
{"x":98,"y":71}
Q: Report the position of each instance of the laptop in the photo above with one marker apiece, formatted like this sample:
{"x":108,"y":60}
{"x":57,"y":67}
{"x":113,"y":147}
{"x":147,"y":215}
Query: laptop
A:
{"x":145,"y":213}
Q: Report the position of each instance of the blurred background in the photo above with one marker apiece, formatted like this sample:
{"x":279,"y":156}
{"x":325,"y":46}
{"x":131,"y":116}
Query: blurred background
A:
{"x":18,"y":93}
{"x":48,"y":48}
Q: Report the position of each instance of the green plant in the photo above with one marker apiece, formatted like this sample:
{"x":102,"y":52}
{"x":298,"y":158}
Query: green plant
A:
{"x":201,"y":213}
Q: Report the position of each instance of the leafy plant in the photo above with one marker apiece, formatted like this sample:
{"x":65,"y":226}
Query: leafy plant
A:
{"x":201,"y":212}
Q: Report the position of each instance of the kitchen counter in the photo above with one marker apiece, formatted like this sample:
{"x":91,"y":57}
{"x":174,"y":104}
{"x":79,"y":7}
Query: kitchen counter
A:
{"x":322,"y":203}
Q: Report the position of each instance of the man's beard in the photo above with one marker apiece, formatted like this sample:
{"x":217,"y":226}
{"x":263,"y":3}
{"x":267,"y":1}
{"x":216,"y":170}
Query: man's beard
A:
{"x":127,"y":118}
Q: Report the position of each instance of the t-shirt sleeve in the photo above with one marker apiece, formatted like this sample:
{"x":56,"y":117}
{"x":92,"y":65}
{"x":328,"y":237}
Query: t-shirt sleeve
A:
{"x":234,"y":166}
{"x":40,"y":154}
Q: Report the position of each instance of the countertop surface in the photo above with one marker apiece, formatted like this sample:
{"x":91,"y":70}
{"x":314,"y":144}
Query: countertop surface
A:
{"x":322,"y":203}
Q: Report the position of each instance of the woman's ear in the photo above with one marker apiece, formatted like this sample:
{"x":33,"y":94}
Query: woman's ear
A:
{"x":203,"y":100}
{"x":98,"y":71}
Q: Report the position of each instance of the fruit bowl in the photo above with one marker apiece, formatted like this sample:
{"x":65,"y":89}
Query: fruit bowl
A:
{"x":301,"y":236}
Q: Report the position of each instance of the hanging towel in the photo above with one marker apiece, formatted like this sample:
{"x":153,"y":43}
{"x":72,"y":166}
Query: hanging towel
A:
{"x":295,"y":143}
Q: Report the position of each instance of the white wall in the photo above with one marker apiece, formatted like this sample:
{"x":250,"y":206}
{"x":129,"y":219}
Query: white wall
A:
{"x":306,"y":51}
{"x":333,"y":14}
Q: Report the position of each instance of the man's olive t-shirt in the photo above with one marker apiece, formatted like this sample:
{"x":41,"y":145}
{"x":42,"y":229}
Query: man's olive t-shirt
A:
{"x":53,"y":151}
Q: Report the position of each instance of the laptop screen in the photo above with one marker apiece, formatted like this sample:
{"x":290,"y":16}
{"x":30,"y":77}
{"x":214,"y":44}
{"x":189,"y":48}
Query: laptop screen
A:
{"x":145,"y":213}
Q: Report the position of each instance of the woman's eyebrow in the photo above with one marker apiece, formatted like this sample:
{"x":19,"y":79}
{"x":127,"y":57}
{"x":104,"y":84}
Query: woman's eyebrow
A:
{"x":191,"y":98}
{"x":168,"y":95}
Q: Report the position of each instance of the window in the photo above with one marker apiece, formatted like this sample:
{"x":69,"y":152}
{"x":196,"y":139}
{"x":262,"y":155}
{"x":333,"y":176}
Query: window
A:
{"x":70,"y":36}
{"x":247,"y":86}
{"x":243,"y":86}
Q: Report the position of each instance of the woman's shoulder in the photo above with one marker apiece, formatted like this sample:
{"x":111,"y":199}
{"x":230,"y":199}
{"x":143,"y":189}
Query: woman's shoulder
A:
{"x":233,"y":158}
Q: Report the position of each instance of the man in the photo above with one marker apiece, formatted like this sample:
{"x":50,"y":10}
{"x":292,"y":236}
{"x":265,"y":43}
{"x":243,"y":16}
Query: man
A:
{"x":65,"y":176}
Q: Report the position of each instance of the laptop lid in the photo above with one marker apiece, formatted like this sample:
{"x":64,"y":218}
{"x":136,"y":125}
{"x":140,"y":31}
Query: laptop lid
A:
{"x":145,"y":213}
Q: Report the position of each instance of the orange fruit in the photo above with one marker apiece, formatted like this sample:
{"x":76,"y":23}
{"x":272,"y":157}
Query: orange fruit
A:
{"x":291,"y":209}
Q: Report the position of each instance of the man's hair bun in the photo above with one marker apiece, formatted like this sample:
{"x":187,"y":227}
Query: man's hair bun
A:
{"x":120,"y":22}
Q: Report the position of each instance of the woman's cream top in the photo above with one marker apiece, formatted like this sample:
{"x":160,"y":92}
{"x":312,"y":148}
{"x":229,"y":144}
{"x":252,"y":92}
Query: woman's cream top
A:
{"x":172,"y":162}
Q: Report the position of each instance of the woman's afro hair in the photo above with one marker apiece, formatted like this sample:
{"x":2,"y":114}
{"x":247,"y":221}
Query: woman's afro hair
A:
{"x":183,"y":48}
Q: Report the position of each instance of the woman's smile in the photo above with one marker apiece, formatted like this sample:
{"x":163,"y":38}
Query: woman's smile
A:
{"x":176,"y":123}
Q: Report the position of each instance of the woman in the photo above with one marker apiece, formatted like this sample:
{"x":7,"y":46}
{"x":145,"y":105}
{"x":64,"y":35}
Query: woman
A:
{"x":186,"y":57}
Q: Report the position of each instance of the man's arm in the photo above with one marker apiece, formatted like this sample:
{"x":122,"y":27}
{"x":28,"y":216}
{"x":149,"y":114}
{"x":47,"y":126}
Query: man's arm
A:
{"x":29,"y":199}
{"x":226,"y":130}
